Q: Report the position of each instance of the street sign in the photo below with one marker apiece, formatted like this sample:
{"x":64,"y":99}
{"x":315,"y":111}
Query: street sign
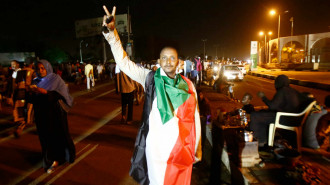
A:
{"x":92,"y":27}
{"x":254,"y":55}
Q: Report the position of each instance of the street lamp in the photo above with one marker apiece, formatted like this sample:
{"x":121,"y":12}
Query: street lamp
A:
{"x":261,"y":33}
{"x":216,"y":51}
{"x":201,"y":79}
{"x":204,"y":40}
{"x":81,"y":50}
{"x":273,"y":12}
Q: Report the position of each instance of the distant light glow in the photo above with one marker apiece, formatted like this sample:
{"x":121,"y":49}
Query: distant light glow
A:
{"x":272,"y":12}
{"x":261,"y":33}
{"x":270,"y":33}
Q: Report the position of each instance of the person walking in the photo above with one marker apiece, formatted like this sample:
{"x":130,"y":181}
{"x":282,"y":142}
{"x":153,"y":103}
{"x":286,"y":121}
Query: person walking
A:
{"x":51,"y":100}
{"x":187,"y":67}
{"x":199,"y":69}
{"x":168,"y":142}
{"x":100,"y":69}
{"x":126,"y":87}
{"x":23,"y":111}
{"x":89,"y":75}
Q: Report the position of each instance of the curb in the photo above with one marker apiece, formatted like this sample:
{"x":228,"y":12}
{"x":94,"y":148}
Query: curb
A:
{"x":293,"y":81}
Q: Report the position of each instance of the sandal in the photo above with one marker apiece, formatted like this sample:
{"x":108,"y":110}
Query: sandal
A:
{"x":52,"y":167}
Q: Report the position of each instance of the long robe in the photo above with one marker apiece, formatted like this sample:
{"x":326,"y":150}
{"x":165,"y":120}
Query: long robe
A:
{"x":52,"y":127}
{"x":51,"y":118}
{"x":171,"y":148}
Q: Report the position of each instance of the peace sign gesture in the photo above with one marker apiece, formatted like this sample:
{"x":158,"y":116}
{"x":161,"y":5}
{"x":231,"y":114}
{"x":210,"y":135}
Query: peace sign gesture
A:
{"x":109,"y":19}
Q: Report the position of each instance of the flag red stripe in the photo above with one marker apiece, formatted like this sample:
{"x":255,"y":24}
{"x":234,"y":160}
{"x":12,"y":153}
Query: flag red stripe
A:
{"x":179,"y":164}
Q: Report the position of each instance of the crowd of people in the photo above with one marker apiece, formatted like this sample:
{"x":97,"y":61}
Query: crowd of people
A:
{"x":176,"y":114}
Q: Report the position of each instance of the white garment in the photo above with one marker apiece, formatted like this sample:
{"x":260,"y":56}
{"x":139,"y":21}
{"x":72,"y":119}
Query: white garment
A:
{"x":161,"y":137}
{"x":14,"y":75}
{"x":89,"y":79}
{"x":89,"y":70}
{"x":99,"y":69}
{"x":89,"y":75}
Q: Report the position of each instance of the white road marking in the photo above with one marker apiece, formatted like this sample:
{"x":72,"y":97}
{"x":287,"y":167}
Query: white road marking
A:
{"x":12,"y":136}
{"x":98,"y":125}
{"x":35,"y":168}
{"x":72,"y":165}
{"x":83,"y":92}
{"x":103,"y":94}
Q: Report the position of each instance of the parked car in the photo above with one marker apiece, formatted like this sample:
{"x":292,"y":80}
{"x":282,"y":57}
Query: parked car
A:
{"x":231,"y":72}
{"x":242,"y":68}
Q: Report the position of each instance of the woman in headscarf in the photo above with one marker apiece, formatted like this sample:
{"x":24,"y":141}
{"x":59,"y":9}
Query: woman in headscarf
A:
{"x":51,"y":100}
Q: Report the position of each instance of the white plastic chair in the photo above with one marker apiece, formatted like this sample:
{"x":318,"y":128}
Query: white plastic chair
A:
{"x":297,"y":129}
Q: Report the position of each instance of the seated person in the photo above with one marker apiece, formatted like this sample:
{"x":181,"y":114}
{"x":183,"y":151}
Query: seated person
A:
{"x":323,"y":128}
{"x":286,"y":99}
{"x":309,"y":129}
{"x":247,"y":106}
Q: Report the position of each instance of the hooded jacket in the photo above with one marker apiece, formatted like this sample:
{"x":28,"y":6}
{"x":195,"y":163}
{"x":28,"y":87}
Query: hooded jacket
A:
{"x":286,"y":99}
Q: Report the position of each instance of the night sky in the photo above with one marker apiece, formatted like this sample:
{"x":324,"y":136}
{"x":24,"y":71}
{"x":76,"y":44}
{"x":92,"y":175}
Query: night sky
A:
{"x":33,"y":25}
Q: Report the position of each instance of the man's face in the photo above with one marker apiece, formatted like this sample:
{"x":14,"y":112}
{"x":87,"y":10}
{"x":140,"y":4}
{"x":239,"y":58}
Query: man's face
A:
{"x":41,"y":70}
{"x":14,"y":65}
{"x":169,"y":61}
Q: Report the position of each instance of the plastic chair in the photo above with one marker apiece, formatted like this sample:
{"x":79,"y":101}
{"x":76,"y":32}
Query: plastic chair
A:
{"x":297,"y":129}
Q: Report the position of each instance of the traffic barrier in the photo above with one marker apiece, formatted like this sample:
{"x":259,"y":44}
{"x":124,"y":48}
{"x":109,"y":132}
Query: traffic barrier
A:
{"x":323,"y":86}
{"x":293,"y":81}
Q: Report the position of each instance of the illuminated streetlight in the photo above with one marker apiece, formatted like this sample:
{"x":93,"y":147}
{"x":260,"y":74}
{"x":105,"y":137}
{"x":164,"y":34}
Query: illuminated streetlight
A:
{"x":273,"y":12}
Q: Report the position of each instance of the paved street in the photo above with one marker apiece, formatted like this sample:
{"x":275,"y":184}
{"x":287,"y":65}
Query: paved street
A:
{"x":253,"y":84}
{"x":103,"y":145}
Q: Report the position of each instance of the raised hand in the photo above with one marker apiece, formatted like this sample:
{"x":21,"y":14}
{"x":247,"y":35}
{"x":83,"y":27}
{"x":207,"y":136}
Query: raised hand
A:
{"x":109,"y":19}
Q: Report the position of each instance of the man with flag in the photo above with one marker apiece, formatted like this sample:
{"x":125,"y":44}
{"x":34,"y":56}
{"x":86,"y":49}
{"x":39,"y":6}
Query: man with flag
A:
{"x":168,"y":142}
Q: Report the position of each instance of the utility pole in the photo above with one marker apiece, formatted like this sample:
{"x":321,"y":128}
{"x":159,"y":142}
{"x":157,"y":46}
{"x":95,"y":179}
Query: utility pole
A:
{"x":278,"y":37}
{"x":291,"y":20}
{"x":216,"y":50}
{"x":81,"y":51}
{"x":204,"y":40}
{"x":201,"y":77}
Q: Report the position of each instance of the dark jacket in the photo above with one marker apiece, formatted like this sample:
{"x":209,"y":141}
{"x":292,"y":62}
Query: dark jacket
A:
{"x":286,"y":98}
{"x":124,"y":83}
{"x":139,"y":168}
